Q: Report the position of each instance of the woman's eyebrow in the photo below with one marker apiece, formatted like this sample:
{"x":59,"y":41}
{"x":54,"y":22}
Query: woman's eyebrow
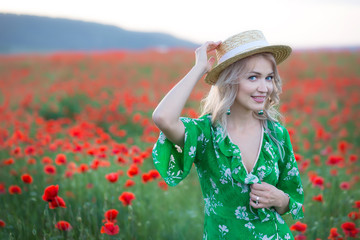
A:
{"x":257,"y":73}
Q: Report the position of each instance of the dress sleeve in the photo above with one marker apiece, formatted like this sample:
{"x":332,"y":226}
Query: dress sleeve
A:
{"x":289,"y":179}
{"x":174,"y":163}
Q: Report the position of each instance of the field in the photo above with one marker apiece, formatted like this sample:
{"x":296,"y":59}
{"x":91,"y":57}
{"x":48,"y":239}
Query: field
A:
{"x":76,"y":137}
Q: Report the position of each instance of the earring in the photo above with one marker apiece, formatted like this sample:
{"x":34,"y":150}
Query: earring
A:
{"x":261,"y":112}
{"x":228,"y":112}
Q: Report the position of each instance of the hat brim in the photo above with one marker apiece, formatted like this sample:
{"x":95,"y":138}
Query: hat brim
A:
{"x":280,"y":53}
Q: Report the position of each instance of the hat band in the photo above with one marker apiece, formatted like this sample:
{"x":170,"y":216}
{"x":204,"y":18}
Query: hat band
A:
{"x":243,"y":48}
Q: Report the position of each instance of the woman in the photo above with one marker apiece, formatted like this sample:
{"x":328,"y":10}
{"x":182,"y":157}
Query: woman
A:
{"x":243,"y":156}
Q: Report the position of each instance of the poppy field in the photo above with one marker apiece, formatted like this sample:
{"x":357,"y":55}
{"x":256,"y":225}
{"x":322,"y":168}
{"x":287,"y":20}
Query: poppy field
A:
{"x":76,"y":138}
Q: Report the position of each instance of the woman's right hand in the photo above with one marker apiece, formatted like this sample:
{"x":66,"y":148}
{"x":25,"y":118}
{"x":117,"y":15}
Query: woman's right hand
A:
{"x":201,"y":53}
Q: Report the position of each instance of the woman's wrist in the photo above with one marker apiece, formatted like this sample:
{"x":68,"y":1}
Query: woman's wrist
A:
{"x":283,"y":205}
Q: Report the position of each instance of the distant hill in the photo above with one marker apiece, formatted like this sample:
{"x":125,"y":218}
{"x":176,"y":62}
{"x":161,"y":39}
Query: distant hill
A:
{"x":29,"y":34}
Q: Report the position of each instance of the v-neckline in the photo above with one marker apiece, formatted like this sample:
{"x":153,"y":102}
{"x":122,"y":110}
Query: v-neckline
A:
{"x":258,"y":154}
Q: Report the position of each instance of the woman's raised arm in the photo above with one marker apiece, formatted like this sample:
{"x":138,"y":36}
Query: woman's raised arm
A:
{"x":167,"y":113}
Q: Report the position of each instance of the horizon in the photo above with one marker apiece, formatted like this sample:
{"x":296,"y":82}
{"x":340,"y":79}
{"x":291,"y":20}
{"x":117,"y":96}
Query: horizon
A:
{"x":322,"y":24}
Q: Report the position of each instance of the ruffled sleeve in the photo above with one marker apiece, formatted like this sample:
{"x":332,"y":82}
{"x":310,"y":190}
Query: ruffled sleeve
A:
{"x":289,"y":178}
{"x":174,"y":163}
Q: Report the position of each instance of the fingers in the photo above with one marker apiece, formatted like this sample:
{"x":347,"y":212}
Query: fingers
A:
{"x":212,"y":46}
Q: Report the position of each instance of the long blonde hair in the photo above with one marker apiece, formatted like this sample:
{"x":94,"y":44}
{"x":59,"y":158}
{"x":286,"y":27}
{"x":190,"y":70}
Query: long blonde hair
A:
{"x":222,"y":95}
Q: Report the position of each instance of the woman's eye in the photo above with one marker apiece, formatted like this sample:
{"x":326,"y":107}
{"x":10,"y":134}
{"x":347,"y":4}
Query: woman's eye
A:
{"x":252,"y":78}
{"x":270,"y":78}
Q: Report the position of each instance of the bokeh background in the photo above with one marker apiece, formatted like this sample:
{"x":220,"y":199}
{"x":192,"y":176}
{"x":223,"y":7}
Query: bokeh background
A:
{"x":80,"y":80}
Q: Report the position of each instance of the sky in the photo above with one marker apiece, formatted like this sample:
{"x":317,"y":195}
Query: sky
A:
{"x":298,"y":23}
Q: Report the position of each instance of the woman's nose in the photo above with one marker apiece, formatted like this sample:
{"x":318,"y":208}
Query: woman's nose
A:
{"x":262,"y":86}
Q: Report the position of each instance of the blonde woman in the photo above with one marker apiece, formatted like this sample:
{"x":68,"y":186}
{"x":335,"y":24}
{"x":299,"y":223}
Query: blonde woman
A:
{"x":243,"y":155}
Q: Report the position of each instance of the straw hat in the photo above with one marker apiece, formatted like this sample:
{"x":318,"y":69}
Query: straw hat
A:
{"x":241,"y":46}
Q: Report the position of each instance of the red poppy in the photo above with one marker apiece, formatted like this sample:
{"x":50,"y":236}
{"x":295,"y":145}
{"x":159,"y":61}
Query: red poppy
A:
{"x":112,"y":177}
{"x":162,"y":184}
{"x":318,"y":182}
{"x":121,"y":160}
{"x":29,"y":150}
{"x":154,"y":174}
{"x":334,"y":172}
{"x":63,"y":226}
{"x":57,"y":202}
{"x":83,"y":168}
{"x":50,"y":169}
{"x":50,"y":193}
{"x":2,"y":188}
{"x":138,"y":160}
{"x":26,"y":178}
{"x":9,"y":161}
{"x":299,"y":226}
{"x":110,"y":228}
{"x":31,"y":161}
{"x":354,"y":215}
{"x":60,"y":159}
{"x":350,"y":229}
{"x":129,"y":183}
{"x":318,"y":198}
{"x":353,"y":158}
{"x":46,"y":160}
{"x":133,"y":170}
{"x":110,"y":215}
{"x":146,"y":177}
{"x":333,"y":234}
{"x":334,"y":160}
{"x":300,"y":237}
{"x":14,"y":189}
{"x":126,"y":198}
{"x":357,"y":204}
{"x":2,"y":223}
{"x":345,"y":185}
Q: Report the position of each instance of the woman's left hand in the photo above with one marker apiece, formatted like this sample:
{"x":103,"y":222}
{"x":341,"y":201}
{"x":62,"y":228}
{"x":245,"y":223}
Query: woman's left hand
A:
{"x":267,"y":195}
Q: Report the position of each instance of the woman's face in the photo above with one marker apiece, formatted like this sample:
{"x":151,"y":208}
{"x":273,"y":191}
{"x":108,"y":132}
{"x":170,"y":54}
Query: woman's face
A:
{"x":255,"y":84}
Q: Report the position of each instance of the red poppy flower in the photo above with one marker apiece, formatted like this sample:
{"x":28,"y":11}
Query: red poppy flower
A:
{"x":121,"y":160}
{"x":63,"y":226}
{"x":334,"y":160}
{"x":14,"y":189}
{"x":46,"y":160}
{"x":146,"y":177}
{"x":299,"y":226}
{"x":57,"y":202}
{"x":300,"y":237}
{"x":154,"y":174}
{"x":50,"y":169}
{"x":110,"y":215}
{"x":29,"y":150}
{"x":9,"y":161}
{"x":333,"y":234}
{"x":2,"y":223}
{"x":50,"y":193}
{"x":318,"y":182}
{"x":354,"y":215}
{"x":112,"y":177}
{"x":345,"y":185}
{"x":31,"y":161}
{"x":162,"y":184}
{"x":138,"y":160}
{"x":357,"y":204}
{"x":129,"y":183}
{"x":2,"y":188}
{"x":110,"y":228}
{"x":83,"y":168}
{"x":350,"y":229}
{"x":353,"y":158}
{"x":133,"y":170}
{"x":26,"y":178}
{"x":318,"y":198}
{"x":126,"y":198}
{"x":60,"y":159}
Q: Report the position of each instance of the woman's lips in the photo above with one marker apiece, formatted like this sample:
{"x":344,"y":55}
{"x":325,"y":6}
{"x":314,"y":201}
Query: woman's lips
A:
{"x":259,"y":99}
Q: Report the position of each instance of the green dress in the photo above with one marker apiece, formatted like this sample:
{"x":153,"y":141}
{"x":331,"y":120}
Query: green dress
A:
{"x":225,"y":182}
